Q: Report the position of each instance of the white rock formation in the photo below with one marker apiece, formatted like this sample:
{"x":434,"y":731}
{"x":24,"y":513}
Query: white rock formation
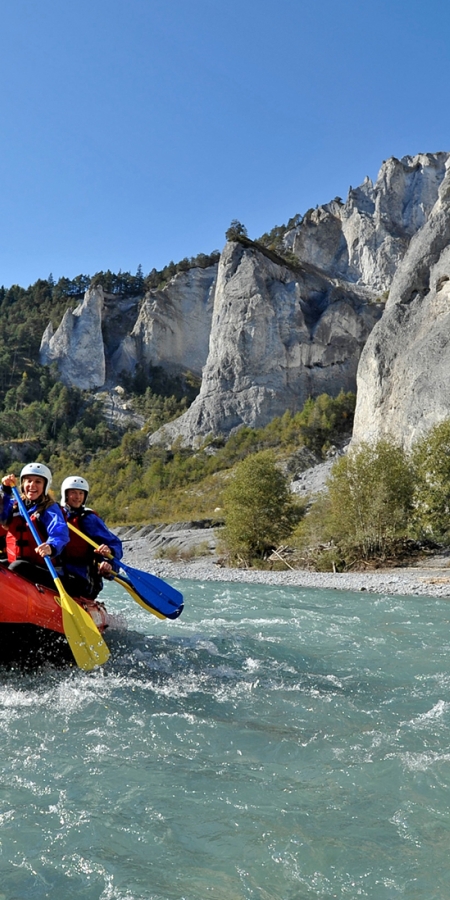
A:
{"x":269,"y":335}
{"x":107,"y":334}
{"x":404,"y":372}
{"x":364,"y":239}
{"x":77,"y":344}
{"x":276,"y":338}
{"x":173,"y":326}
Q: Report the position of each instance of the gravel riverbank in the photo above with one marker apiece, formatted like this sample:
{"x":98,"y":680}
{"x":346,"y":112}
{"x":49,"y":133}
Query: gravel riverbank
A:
{"x":431,"y":578}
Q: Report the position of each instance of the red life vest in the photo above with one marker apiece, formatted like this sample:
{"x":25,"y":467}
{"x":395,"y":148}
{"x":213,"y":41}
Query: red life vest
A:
{"x":20,"y":543}
{"x":77,"y":551}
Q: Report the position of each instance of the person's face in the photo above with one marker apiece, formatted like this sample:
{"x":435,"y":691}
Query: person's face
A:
{"x":75,"y":498}
{"x":33,"y":486}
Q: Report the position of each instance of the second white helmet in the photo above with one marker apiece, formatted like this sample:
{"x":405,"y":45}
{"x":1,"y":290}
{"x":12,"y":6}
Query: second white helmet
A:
{"x":36,"y":468}
{"x":74,"y":483}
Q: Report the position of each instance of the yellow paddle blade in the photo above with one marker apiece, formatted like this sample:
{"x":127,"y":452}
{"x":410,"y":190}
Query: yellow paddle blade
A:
{"x":84,"y":639}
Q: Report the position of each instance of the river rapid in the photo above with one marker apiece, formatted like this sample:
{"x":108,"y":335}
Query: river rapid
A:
{"x":273,"y":743}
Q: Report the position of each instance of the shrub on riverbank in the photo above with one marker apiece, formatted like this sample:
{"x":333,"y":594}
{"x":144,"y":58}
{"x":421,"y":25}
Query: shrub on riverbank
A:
{"x":431,"y":461}
{"x":259,"y":508}
{"x":366,"y":509}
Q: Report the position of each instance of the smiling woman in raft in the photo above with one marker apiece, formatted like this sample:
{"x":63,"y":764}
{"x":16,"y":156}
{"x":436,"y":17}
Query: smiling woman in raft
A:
{"x":82,"y":565}
{"x":24,"y":557}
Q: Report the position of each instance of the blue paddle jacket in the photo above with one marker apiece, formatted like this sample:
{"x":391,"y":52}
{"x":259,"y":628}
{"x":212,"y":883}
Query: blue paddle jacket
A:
{"x":79,"y":557}
{"x":48,"y":520}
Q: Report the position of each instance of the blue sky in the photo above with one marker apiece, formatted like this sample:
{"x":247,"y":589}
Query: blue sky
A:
{"x":134,"y":131}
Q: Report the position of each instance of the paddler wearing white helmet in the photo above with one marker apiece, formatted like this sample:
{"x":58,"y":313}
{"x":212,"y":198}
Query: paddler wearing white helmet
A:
{"x":82,"y":565}
{"x":24,"y":557}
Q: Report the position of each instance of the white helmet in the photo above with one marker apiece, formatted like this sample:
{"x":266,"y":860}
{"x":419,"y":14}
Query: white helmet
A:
{"x":36,"y":468}
{"x":75,"y":483}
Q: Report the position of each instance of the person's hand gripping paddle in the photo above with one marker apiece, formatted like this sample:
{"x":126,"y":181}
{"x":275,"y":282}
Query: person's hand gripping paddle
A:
{"x":151,"y":592}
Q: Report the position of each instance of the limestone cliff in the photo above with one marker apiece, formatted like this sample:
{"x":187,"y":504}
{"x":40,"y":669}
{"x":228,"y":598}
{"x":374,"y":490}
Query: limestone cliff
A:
{"x":404,"y":373}
{"x":107,"y":334}
{"x":267,"y":333}
{"x":364,"y":239}
{"x":277,"y":337}
{"x":77,"y":344}
{"x":173,"y":326}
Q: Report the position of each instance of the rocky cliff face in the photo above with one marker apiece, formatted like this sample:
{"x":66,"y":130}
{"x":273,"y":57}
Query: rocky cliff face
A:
{"x":364,"y":239}
{"x":404,"y":372}
{"x":268,"y":334}
{"x":77,"y":345}
{"x":106,"y":334}
{"x":173,"y":326}
{"x":277,"y":337}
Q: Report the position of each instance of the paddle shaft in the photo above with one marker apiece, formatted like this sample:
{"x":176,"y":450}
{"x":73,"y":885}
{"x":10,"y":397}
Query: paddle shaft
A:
{"x":34,"y":531}
{"x":86,"y":538}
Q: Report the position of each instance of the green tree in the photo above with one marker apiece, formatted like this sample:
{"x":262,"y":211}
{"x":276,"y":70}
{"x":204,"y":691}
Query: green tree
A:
{"x":134,"y":445}
{"x":325,"y":419}
{"x":235,"y":231}
{"x":370,"y":497}
{"x":258,"y":507}
{"x":431,"y":460}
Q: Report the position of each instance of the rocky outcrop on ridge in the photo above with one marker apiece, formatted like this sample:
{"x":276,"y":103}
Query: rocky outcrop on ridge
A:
{"x":364,"y":239}
{"x":77,"y":344}
{"x":107,"y":334}
{"x":404,"y":372}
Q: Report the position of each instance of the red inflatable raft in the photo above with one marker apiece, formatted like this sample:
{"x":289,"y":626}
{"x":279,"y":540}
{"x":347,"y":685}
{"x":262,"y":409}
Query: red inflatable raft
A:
{"x":31,"y":628}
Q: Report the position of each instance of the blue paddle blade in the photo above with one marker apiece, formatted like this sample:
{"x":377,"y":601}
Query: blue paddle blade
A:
{"x":154,"y":591}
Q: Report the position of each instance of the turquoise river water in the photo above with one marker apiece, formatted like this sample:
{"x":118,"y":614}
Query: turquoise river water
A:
{"x":270,"y":744}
